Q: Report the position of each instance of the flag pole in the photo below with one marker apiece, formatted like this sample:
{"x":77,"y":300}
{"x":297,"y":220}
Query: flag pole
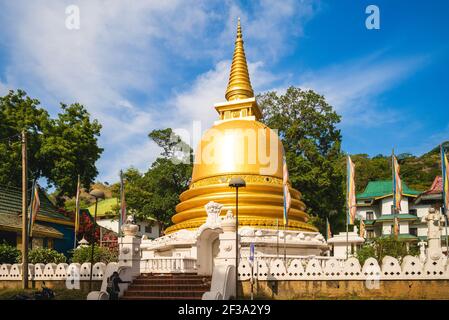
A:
{"x":393,"y":177}
{"x":30,"y":217}
{"x":285,"y":248}
{"x":77,"y":210}
{"x":24,"y":213}
{"x":347,"y":207}
{"x":443,"y":207}
{"x":120,"y":210}
{"x":277,"y":237}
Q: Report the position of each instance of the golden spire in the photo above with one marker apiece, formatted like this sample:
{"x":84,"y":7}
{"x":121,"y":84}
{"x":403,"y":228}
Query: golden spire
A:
{"x":239,"y":85}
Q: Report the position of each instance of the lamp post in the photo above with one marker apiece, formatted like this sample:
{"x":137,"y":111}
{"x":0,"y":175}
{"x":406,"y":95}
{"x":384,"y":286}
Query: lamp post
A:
{"x":237,"y":183}
{"x":97,"y":194}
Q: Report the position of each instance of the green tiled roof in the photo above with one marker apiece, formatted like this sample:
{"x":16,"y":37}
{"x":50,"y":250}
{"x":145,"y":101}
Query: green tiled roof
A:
{"x":402,"y":216}
{"x":12,"y":222}
{"x":11,"y":203}
{"x":369,"y":222}
{"x":382,"y":188}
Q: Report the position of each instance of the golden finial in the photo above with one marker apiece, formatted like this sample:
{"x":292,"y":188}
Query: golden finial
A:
{"x":239,"y":85}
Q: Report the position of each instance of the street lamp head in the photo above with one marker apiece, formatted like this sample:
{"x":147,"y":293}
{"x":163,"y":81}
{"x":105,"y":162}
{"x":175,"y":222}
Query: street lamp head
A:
{"x":97,"y":194}
{"x":237,"y":182}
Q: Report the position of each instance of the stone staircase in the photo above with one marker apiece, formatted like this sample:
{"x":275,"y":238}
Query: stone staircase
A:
{"x":185,"y":286}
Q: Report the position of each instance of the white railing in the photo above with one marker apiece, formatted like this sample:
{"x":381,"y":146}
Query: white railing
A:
{"x":52,"y":271}
{"x":410,"y":268}
{"x":289,"y":258}
{"x":168,"y":265}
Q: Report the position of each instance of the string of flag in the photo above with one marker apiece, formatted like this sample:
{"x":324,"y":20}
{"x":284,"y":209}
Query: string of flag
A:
{"x":287,"y":197}
{"x":34,"y":207}
{"x":351,"y":196}
{"x":445,"y":177}
{"x":122,"y":218}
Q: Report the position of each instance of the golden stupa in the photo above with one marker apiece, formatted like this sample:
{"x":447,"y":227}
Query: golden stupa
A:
{"x":261,"y":202}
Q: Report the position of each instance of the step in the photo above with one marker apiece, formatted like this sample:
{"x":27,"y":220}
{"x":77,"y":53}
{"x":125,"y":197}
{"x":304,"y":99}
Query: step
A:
{"x":165,"y":293}
{"x":185,"y":286}
{"x":160,"y":298}
{"x":172,"y":275}
{"x":167,"y":281}
{"x":176,"y":286}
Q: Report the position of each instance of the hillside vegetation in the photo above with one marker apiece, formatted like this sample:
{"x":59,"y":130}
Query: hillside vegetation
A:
{"x":418,"y":172}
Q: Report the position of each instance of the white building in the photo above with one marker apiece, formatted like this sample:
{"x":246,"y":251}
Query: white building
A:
{"x":108,"y":219}
{"x":375,"y":208}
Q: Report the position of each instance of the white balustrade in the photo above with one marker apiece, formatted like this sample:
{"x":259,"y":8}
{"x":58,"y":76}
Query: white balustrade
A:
{"x":169,"y":265}
{"x":265,"y":268}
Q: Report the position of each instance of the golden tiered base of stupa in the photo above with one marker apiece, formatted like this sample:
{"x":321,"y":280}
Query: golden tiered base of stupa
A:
{"x":239,"y":146}
{"x":260,"y":203}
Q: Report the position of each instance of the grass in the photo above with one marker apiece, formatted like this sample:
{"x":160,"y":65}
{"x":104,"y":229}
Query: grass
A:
{"x":60,"y":294}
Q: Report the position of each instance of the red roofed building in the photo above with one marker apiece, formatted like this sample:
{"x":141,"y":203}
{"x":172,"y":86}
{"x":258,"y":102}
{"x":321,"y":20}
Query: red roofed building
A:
{"x":433,"y":196}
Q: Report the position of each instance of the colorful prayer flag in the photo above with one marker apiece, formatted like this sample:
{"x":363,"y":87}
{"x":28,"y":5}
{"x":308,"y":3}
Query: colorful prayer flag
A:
{"x":77,"y":206}
{"x":328,"y":230}
{"x":351,"y":198}
{"x":34,"y":206}
{"x":287,"y":197}
{"x":122,"y":201}
{"x":362,"y":229}
{"x":445,"y":176}
{"x":397,"y":185}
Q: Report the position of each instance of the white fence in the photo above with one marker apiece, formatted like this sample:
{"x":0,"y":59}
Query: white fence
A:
{"x":53,"y":271}
{"x":332,"y":269}
{"x":308,"y":268}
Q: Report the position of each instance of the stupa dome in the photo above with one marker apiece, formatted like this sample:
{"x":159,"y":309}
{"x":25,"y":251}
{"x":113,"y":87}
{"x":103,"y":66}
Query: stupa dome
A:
{"x":238,"y":145}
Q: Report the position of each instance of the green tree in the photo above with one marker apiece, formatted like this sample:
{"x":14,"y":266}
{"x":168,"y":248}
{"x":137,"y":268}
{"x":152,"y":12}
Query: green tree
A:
{"x":378,"y":248}
{"x":312,"y":142}
{"x":168,"y":176}
{"x":72,"y":145}
{"x":19,"y":112}
{"x":58,"y":149}
{"x":156,"y":193}
{"x":101,"y":254}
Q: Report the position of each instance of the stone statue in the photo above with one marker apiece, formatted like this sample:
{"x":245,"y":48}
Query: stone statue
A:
{"x":434,"y":220}
{"x":213,"y":210}
{"x":130,"y":228}
{"x":422,"y":251}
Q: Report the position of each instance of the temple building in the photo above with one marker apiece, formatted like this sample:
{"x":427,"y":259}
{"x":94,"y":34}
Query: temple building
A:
{"x":53,"y":228}
{"x":108,"y":219}
{"x":375,"y":208}
{"x":237,"y":145}
{"x":240,"y":145}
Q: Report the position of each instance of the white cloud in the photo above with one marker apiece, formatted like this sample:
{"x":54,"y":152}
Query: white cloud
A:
{"x":125,"y":54}
{"x":351,"y":87}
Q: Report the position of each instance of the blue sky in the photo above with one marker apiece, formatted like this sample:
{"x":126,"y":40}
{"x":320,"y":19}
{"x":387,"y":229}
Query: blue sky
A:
{"x":146,"y":65}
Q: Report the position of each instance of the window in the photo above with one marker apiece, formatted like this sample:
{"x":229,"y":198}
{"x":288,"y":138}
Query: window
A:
{"x":369,"y":234}
{"x":370,"y":215}
{"x":413,"y":212}
{"x":413,"y":231}
{"x":148,"y":229}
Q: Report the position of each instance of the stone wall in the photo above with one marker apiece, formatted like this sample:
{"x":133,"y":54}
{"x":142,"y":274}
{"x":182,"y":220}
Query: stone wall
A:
{"x":347,"y":289}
